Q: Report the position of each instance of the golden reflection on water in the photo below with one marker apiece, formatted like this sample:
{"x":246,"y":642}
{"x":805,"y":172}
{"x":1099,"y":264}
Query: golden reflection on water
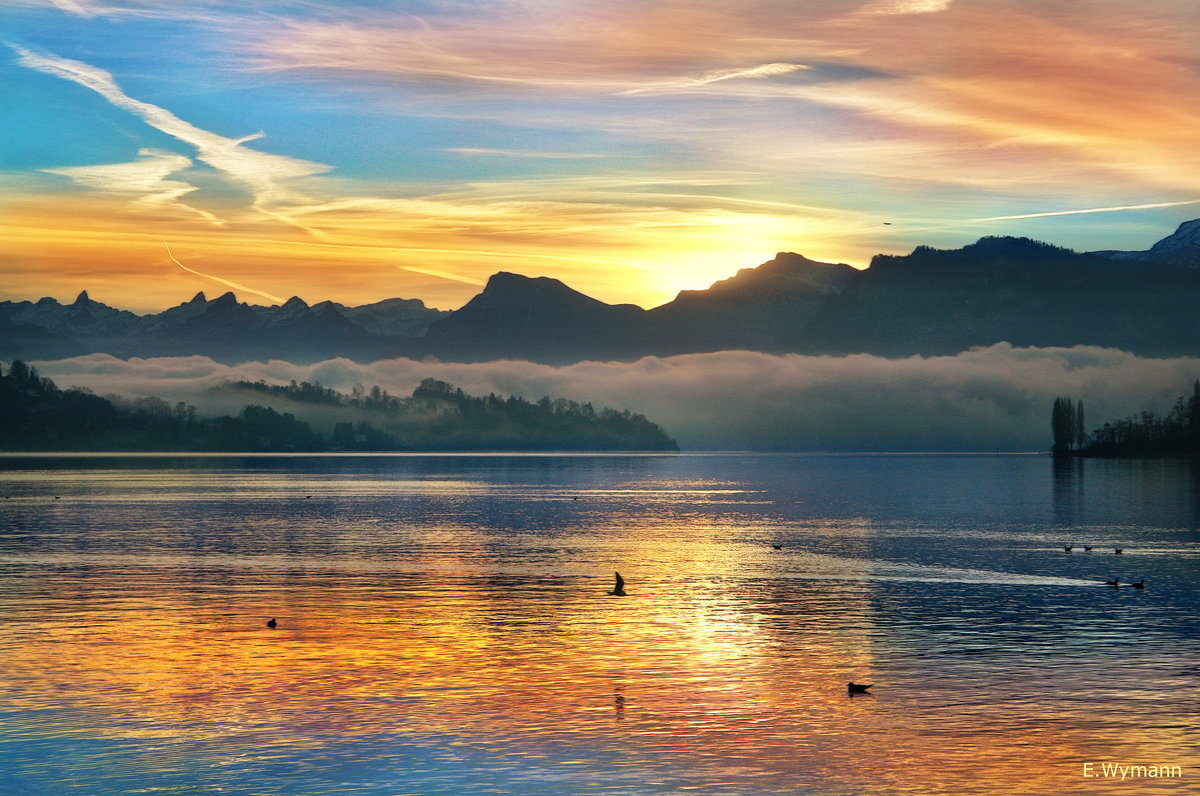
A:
{"x":677,"y":671}
{"x":724,"y":670}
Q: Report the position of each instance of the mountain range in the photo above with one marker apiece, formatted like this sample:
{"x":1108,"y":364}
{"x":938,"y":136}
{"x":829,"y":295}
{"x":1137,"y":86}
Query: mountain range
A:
{"x":932,"y":301}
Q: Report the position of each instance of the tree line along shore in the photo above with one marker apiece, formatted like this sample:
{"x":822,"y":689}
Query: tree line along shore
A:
{"x":1148,"y":434}
{"x":36,"y":415}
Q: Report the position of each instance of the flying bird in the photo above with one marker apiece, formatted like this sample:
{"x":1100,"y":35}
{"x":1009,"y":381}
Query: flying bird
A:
{"x":857,"y":688}
{"x":619,"y":588}
{"x":271,"y":622}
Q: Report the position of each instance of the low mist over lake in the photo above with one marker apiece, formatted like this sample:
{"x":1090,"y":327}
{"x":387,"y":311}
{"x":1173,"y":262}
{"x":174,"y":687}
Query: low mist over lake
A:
{"x":984,"y":399}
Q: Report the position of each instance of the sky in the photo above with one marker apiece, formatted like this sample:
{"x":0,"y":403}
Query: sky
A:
{"x":363,"y":149}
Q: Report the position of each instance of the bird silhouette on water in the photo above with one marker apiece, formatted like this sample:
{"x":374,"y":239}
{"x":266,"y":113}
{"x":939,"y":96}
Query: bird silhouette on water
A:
{"x":1141,"y":584}
{"x":1067,"y":548}
{"x":1087,"y":548}
{"x":271,"y":622}
{"x":1113,"y":582}
{"x":619,"y":587}
{"x":857,"y":688}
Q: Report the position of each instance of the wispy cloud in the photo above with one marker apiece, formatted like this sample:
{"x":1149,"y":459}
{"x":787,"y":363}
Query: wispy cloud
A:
{"x":72,"y":7}
{"x":223,"y":281}
{"x":900,"y":7}
{"x":143,"y":181}
{"x":1026,"y":88}
{"x":264,"y":175}
{"x":601,"y":48}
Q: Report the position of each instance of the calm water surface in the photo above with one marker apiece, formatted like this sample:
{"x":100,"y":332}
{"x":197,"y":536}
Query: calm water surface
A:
{"x":444,"y":628}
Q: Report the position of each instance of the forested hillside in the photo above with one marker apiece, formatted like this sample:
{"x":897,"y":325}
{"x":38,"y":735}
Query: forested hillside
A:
{"x":36,"y":415}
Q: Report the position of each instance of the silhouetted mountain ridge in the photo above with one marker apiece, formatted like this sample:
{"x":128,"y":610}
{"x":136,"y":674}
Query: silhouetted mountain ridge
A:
{"x":930,"y":301}
{"x":222,"y":328}
{"x":1015,"y":290}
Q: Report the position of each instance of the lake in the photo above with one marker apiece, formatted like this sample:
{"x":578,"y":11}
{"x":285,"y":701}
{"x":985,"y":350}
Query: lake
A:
{"x":443,"y":624}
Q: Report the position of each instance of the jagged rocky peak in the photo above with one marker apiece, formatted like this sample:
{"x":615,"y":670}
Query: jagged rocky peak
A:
{"x":227,"y":299}
{"x":82,"y":299}
{"x":199,"y":298}
{"x":325,"y":308}
{"x":295,"y":303}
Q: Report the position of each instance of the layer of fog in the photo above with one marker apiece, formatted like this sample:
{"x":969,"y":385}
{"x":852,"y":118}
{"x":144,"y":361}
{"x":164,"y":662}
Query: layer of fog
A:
{"x":979,"y":400}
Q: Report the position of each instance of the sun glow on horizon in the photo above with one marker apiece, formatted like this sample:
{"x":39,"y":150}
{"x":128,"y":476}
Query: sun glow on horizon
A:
{"x":630,"y":152}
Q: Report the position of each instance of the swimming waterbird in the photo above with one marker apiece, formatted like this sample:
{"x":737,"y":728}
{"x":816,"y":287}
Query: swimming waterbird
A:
{"x":619,"y":588}
{"x":271,"y":622}
{"x":1141,"y":584}
{"x":857,"y":688}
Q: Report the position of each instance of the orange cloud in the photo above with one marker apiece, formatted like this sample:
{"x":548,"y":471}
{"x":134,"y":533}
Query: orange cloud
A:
{"x":607,"y":47}
{"x":1033,"y":86}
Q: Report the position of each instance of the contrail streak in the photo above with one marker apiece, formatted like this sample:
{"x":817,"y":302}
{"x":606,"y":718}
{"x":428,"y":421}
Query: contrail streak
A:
{"x":226,"y":282}
{"x":441,"y":275}
{"x":1089,"y":210}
